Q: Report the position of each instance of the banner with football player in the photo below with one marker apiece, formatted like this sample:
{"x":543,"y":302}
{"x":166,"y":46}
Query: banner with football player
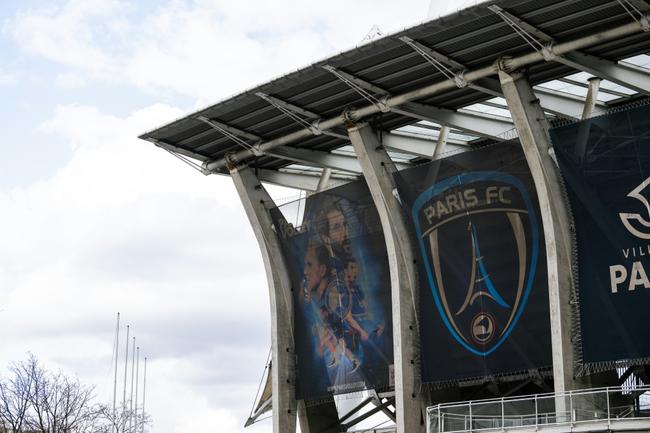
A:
{"x":482,"y":266}
{"x":341,"y":286}
{"x":605,"y":163}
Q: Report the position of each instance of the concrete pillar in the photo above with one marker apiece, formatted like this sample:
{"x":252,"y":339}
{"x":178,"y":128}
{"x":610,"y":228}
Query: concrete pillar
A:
{"x":378,"y":171}
{"x":532,"y":127}
{"x":256,"y":202}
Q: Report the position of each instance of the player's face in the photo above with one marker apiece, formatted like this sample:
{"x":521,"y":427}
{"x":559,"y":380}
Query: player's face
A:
{"x":351,"y":272}
{"x":338,"y":229}
{"x":314,"y":271}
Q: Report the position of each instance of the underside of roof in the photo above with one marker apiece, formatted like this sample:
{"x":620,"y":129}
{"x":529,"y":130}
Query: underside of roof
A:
{"x":429,"y":53}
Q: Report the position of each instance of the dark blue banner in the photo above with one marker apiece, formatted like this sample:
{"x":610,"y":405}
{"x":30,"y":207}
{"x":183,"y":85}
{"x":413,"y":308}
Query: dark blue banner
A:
{"x":341,"y":285}
{"x":482,"y":266}
{"x":605,"y":162}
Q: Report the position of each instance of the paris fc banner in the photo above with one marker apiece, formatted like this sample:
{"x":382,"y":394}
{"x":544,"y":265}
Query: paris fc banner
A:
{"x":482,"y":266}
{"x":605,"y":163}
{"x":341,"y":291}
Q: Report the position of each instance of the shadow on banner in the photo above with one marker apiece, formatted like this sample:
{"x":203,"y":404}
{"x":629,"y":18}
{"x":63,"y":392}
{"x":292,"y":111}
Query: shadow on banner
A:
{"x":341,"y":289}
{"x":605,"y":162}
{"x":482,"y":265}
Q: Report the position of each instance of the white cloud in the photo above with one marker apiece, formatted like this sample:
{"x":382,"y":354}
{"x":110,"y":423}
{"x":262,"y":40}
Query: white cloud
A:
{"x":126,"y":227}
{"x":69,"y":81}
{"x":7,"y":79}
{"x":66,"y":34}
{"x":206,"y":49}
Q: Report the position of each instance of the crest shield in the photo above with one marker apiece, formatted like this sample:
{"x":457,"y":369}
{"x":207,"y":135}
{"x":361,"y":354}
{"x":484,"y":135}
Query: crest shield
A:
{"x":478,"y":235}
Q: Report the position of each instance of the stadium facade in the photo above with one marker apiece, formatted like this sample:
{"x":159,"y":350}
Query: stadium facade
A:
{"x":472,"y":250}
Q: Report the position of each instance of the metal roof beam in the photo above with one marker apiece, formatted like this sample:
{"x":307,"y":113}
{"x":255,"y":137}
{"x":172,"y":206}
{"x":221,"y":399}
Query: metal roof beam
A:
{"x":627,"y":76}
{"x":416,"y":146}
{"x":293,"y":180}
{"x":586,"y":86}
{"x":491,"y":127}
{"x":450,"y":139}
{"x":316,"y":158}
{"x":562,"y":104}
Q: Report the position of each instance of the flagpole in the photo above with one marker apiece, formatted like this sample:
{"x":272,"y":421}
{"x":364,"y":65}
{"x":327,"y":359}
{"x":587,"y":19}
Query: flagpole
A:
{"x":144,"y":392}
{"x":117,"y":352}
{"x":126,"y":371}
{"x":132,"y":377}
{"x":137,"y":376}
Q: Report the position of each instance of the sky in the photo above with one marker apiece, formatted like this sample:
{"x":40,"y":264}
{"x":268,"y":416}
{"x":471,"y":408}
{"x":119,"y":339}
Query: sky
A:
{"x":94,"y":221}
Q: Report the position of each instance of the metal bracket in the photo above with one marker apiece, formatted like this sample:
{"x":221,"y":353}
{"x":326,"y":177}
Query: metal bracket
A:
{"x":315,"y":128}
{"x":231,"y":161}
{"x":349,"y":117}
{"x":547,"y":52}
{"x":504,"y":64}
{"x":460,"y":81}
{"x":383,"y":104}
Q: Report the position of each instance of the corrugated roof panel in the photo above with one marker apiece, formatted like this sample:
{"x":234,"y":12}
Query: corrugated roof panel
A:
{"x":475,"y":36}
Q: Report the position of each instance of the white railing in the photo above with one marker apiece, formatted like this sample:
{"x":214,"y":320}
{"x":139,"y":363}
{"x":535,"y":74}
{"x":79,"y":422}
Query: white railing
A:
{"x":535,"y":411}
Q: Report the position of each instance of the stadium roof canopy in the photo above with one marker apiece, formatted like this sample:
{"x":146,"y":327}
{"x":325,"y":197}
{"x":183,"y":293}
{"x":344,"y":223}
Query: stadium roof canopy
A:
{"x":410,"y":84}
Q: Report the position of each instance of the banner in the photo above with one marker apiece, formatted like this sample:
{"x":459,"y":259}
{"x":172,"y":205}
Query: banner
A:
{"x":482,"y":266}
{"x":605,"y":162}
{"x":341,"y":285}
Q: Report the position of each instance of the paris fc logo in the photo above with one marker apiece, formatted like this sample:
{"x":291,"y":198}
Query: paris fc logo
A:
{"x":478,"y":233}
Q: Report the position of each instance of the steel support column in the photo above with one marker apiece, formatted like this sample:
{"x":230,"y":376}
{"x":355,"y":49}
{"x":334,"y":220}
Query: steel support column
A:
{"x":532,"y":127}
{"x":324,"y":180}
{"x":378,"y":169}
{"x":442,"y":142}
{"x":256,"y":202}
{"x":592,"y":98}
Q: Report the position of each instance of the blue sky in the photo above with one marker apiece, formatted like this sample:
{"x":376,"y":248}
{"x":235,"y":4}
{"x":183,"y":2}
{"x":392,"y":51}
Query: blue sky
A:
{"x":94,"y":221}
{"x":32,"y":85}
